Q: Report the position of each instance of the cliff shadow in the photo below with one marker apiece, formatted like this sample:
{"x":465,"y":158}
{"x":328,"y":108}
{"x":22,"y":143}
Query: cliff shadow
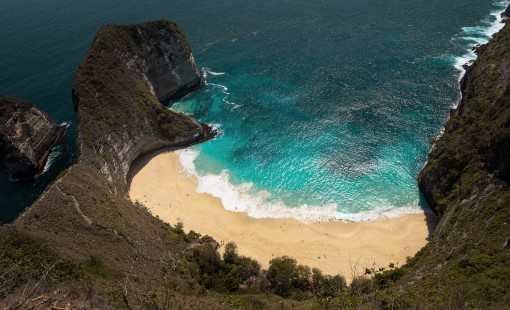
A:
{"x":431,"y":218}
{"x":141,"y":161}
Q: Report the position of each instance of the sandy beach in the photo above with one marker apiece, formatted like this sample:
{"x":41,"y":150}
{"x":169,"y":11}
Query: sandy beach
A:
{"x":335,"y":247}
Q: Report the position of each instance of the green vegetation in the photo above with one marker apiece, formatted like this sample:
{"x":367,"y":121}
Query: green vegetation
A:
{"x":24,"y":261}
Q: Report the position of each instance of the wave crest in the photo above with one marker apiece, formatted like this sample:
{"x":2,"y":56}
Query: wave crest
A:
{"x":256,"y":204}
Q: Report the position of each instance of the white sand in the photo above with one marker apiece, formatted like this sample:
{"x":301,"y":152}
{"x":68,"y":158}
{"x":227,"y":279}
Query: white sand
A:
{"x":335,"y":247}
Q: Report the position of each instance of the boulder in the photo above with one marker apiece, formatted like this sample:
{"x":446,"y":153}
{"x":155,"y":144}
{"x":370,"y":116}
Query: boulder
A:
{"x":27,"y":136}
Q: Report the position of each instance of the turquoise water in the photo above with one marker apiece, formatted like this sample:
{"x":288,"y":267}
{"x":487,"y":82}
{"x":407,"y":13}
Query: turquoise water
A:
{"x":326,"y":108}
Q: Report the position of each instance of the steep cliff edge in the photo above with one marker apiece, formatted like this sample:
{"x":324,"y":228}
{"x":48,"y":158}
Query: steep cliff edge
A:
{"x":466,"y":181}
{"x":118,"y":91}
{"x":117,"y":94}
{"x":27,"y":136}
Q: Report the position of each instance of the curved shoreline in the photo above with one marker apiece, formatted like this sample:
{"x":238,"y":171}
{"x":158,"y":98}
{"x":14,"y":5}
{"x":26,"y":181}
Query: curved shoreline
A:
{"x":241,"y":198}
{"x":335,"y":247}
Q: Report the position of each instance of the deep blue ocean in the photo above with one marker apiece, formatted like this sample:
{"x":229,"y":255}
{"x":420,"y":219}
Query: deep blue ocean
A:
{"x":326,"y":108}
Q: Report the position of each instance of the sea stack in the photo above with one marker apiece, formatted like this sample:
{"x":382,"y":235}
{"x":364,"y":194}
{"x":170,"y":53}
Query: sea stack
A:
{"x":27,"y":136}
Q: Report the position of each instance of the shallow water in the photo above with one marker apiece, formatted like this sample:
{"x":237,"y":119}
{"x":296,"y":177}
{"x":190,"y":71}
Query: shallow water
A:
{"x":326,"y":108}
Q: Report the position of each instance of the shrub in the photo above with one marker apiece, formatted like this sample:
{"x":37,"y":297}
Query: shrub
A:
{"x":230,"y":255}
{"x":179,"y":228}
{"x":281,"y":273}
{"x":237,"y":269}
{"x":361,"y":285}
{"x":327,"y":286}
{"x":206,"y":257}
{"x":385,"y":278}
{"x":302,"y":278}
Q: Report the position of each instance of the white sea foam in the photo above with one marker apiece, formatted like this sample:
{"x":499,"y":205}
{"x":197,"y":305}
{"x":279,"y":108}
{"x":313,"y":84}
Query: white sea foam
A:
{"x":213,"y":73}
{"x":55,"y":152}
{"x":207,"y":71}
{"x":245,"y":198}
{"x":479,"y":35}
{"x":256,"y":204}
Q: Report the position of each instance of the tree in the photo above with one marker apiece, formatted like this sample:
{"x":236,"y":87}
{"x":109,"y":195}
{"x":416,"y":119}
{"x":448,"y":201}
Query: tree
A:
{"x":281,"y":273}
{"x":230,"y":255}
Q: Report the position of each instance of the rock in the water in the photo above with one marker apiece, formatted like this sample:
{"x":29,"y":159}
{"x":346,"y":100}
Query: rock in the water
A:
{"x":27,"y":136}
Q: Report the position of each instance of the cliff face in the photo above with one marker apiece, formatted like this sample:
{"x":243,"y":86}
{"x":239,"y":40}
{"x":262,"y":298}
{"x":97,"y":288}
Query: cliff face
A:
{"x":27,"y":136}
{"x":466,"y":181}
{"x":117,"y":92}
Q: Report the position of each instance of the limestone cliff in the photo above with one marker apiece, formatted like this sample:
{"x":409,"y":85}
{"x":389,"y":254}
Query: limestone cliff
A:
{"x":117,"y":93}
{"x":27,"y":136}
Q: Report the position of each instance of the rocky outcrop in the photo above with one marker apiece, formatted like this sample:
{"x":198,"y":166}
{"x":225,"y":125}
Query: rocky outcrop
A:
{"x":27,"y":136}
{"x":467,"y":183}
{"x":118,"y":90}
{"x":477,"y":135}
{"x":118,"y":93}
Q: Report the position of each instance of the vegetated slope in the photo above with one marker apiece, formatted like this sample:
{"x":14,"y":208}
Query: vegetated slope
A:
{"x":86,"y":214}
{"x":466,"y":181}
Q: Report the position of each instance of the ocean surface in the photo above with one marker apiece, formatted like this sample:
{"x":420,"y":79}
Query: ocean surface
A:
{"x":326,"y":108}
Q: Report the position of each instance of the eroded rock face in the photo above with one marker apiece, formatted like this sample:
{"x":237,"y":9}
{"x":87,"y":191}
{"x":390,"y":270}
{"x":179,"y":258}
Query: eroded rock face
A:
{"x":165,"y":59}
{"x":477,"y":136}
{"x":118,"y":92}
{"x":27,"y":136}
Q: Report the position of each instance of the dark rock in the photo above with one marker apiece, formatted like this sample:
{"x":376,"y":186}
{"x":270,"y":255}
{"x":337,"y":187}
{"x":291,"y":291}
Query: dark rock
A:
{"x":27,"y":136}
{"x":163,"y":55}
{"x":506,"y":14}
{"x":118,"y":94}
{"x":467,"y":183}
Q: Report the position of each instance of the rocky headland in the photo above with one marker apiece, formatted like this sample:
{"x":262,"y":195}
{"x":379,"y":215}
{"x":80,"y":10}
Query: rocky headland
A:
{"x":105,"y":251}
{"x":118,"y":93}
{"x":466,"y":182}
{"x":27,"y":136}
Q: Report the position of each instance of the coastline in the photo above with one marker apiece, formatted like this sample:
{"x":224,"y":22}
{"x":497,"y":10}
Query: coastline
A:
{"x":336,"y":247}
{"x":481,"y":36}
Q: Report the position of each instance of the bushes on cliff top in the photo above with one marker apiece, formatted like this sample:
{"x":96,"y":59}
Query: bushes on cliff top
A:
{"x":287,"y":278}
{"x":233,"y":273}
{"x":223,"y":275}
